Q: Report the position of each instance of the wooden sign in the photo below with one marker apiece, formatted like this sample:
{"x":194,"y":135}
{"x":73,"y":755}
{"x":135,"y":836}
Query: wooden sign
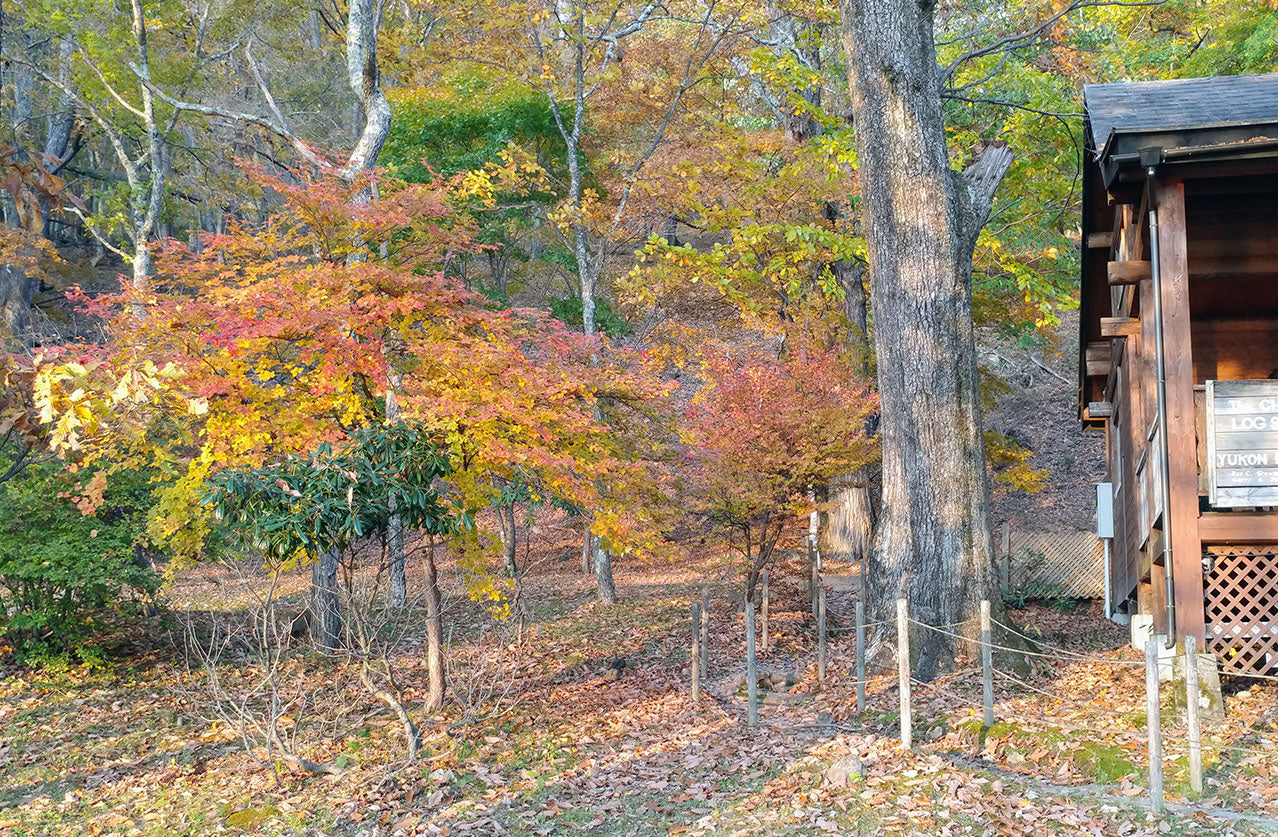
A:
{"x":1242,"y":443}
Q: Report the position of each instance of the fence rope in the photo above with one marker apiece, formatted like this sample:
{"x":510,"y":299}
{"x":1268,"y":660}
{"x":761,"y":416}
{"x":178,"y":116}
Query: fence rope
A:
{"x":1076,"y":655}
{"x":1026,"y":652}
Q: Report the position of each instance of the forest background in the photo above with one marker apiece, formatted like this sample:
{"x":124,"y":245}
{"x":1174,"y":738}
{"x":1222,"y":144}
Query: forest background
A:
{"x":607,"y":259}
{"x":315,"y":286}
{"x":353,"y":304}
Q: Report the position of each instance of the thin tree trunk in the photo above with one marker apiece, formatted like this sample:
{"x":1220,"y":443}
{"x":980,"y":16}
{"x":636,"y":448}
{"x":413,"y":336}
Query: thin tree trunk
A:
{"x":603,"y":574}
{"x":434,"y":633}
{"x":326,"y":611}
{"x":395,"y":524}
{"x":932,"y":546}
{"x":506,"y":519}
{"x":395,"y":557}
{"x":587,"y":551}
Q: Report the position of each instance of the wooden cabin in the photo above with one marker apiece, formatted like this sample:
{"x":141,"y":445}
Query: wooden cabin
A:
{"x":1180,"y":241}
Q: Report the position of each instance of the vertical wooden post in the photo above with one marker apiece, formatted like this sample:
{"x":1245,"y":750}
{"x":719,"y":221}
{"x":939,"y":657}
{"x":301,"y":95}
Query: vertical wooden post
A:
{"x":815,"y":581}
{"x":821,"y":640}
{"x":1191,"y":714}
{"x":705,"y":631}
{"x":752,"y":673}
{"x":903,"y":672}
{"x":814,"y":547}
{"x":987,"y":664}
{"x":1182,"y":471}
{"x":765,"y":612}
{"x":860,"y":656}
{"x":696,"y":651}
{"x":1154,"y":727}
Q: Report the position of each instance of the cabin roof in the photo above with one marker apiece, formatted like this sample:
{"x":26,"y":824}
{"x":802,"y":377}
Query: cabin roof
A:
{"x":1178,"y":105}
{"x":1201,"y":127}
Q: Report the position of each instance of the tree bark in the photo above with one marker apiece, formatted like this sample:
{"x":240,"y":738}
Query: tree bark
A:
{"x":395,"y":558}
{"x":603,"y":573}
{"x":506,"y":521}
{"x":326,"y":611}
{"x":434,"y":633}
{"x":933,"y":545}
{"x":364,"y":78}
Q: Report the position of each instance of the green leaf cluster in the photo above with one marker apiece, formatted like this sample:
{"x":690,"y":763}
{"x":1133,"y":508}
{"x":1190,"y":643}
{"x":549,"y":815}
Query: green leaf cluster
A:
{"x":466,"y":127}
{"x":567,"y":309}
{"x":62,"y":571}
{"x":306,"y":505}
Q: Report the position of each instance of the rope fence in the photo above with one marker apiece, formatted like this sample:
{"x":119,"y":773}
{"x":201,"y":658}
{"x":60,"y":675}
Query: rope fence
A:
{"x":1190,"y":746}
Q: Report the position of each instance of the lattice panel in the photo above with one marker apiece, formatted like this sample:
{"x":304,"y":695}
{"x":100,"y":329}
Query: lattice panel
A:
{"x":1242,"y":607}
{"x":1054,"y":564}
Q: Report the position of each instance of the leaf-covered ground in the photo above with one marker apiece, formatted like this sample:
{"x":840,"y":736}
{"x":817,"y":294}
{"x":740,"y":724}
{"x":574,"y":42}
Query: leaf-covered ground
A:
{"x":572,"y":750}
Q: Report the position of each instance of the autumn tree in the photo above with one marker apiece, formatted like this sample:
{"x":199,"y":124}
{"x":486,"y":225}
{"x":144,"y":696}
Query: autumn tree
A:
{"x":270,"y":340}
{"x":761,"y":431}
{"x":620,"y":73}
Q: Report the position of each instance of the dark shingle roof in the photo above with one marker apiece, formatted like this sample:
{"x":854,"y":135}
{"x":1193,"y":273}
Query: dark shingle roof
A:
{"x":1179,"y":104}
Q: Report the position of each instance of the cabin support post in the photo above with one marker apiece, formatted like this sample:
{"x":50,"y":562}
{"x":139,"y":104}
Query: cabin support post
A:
{"x":1182,"y":465}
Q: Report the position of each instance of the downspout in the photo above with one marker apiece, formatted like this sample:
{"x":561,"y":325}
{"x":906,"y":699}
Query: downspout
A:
{"x":1150,"y":159}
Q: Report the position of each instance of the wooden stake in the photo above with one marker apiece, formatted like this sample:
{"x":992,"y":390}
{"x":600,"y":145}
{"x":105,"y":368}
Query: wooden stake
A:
{"x":987,"y":663}
{"x":765,"y":612}
{"x":1154,"y":727}
{"x":821,"y":645}
{"x":860,"y":656}
{"x":752,"y":673}
{"x":815,"y":582}
{"x":696,"y":651}
{"x":1191,"y":714}
{"x":705,"y":631}
{"x":903,"y":671}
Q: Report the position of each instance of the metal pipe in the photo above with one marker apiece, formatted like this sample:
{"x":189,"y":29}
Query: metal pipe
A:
{"x":1163,"y":451}
{"x":1109,"y":611}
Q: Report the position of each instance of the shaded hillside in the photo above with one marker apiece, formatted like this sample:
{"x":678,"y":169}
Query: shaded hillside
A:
{"x":1040,"y":412}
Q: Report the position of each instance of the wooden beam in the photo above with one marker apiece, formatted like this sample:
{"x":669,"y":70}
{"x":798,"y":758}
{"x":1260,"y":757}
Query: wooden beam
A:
{"x":1100,"y":240}
{"x":1100,"y":409}
{"x":1098,"y":368}
{"x":1129,"y":272}
{"x":1238,"y":527}
{"x":1119,"y":326}
{"x":1182,"y":465}
{"x":1099,"y":350}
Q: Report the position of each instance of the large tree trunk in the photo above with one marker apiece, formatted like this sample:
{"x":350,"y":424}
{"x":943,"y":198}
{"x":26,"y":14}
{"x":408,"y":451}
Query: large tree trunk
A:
{"x":434,"y":633}
{"x":326,"y":611}
{"x":932,"y":546}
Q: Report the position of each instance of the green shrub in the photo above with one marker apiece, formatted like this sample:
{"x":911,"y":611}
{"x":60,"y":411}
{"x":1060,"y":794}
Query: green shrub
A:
{"x":568,"y":311}
{"x":61,"y":571}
